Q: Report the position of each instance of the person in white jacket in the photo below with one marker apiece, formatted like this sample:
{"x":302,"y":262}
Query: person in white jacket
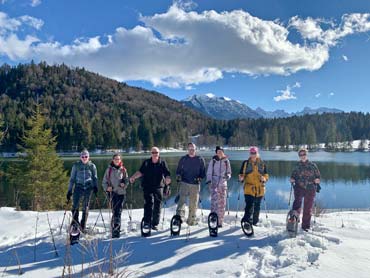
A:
{"x":218,"y":173}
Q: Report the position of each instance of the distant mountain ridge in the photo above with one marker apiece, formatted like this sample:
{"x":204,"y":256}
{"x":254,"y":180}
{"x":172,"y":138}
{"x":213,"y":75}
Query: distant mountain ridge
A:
{"x":224,"y":108}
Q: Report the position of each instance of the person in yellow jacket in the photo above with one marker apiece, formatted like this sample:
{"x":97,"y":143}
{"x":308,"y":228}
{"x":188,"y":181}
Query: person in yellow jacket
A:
{"x":253,"y":174}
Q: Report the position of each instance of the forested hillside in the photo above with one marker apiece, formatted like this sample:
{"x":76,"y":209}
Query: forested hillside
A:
{"x":84,"y":109}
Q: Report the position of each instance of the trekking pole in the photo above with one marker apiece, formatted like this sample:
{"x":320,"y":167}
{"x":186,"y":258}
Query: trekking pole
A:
{"x":34,"y":243}
{"x":100,"y":213}
{"x":237,"y":206}
{"x":228,"y":201}
{"x":264,"y":200}
{"x":64,"y":216}
{"x":52,"y":236}
{"x":290,"y":195}
{"x":164,"y":212}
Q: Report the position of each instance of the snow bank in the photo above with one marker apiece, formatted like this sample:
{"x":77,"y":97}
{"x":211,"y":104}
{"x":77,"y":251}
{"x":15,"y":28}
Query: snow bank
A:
{"x":338,"y":246}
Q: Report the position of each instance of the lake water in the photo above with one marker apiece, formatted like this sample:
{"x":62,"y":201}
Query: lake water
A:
{"x":345,"y":179}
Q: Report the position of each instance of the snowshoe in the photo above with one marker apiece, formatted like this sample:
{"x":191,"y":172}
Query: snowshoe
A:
{"x":145,"y":229}
{"x":247,"y":228}
{"x":213,"y":224}
{"x":292,"y":220}
{"x":74,"y":234}
{"x":176,"y":225}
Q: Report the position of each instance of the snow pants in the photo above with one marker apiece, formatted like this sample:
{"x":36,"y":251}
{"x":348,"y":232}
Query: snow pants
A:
{"x":309,"y":196}
{"x":79,"y":194}
{"x":117,"y":202}
{"x":218,"y":200}
{"x":252,"y":209}
{"x":152,"y":205}
{"x":191,"y":191}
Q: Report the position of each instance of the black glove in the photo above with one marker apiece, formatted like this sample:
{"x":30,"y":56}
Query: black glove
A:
{"x":69,"y":195}
{"x":95,"y":190}
{"x":318,"y":188}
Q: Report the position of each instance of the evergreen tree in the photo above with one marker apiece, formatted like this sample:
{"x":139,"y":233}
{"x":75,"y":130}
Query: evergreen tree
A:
{"x":265,"y":139}
{"x":311,"y":136}
{"x":274,"y":137}
{"x":41,"y":174}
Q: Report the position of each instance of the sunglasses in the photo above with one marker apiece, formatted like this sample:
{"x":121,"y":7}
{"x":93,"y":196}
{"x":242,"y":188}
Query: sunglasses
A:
{"x":154,"y":152}
{"x":117,"y":159}
{"x":302,"y":154}
{"x":84,"y":156}
{"x":253,"y":153}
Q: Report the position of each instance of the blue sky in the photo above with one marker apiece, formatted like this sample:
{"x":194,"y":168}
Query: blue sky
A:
{"x":272,"y":54}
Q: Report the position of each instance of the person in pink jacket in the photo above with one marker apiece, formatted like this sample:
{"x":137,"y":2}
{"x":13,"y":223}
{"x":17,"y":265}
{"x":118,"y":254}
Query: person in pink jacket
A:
{"x":218,"y":173}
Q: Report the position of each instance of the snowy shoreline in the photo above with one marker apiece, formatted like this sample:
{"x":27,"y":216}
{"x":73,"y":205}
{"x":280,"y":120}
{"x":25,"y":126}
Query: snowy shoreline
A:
{"x":327,"y":251}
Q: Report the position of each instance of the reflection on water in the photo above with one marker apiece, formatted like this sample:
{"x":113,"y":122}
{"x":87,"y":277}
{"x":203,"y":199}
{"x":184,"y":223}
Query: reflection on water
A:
{"x":345,"y":179}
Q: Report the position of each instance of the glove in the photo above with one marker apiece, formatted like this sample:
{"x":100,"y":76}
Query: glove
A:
{"x":95,"y":190}
{"x":318,"y":188}
{"x":69,"y":195}
{"x":166,"y":191}
{"x":178,"y":178}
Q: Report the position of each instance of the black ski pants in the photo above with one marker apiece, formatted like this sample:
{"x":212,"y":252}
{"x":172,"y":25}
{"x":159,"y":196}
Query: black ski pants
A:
{"x":152,"y":205}
{"x":117,"y":202}
{"x":79,"y":194}
{"x":252,"y":209}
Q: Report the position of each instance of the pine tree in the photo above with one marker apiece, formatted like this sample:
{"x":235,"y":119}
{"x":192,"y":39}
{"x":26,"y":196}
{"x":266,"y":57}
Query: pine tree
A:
{"x":41,"y":174}
{"x":265,"y":139}
{"x":311,"y":136}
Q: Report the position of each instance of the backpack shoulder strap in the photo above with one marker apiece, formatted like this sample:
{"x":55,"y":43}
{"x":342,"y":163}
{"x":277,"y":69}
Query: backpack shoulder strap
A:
{"x":246,"y":163}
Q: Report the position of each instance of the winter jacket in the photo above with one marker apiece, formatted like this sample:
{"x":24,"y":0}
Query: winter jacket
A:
{"x":191,"y":169}
{"x":154,"y":173}
{"x":83,"y":175}
{"x":252,"y":173}
{"x":219,"y":170}
{"x":114,"y":176}
{"x":305,"y":173}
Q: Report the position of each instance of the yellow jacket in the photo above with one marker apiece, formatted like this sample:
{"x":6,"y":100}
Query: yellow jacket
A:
{"x":252,"y":173}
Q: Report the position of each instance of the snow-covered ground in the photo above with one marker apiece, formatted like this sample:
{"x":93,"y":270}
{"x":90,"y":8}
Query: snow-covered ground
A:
{"x":338,"y":246}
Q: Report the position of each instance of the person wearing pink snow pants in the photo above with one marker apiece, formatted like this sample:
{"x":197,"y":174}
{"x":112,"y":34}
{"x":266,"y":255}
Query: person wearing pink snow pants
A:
{"x":218,"y":173}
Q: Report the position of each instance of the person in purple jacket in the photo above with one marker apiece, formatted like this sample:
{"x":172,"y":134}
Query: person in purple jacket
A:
{"x":218,"y":173}
{"x":306,"y":181}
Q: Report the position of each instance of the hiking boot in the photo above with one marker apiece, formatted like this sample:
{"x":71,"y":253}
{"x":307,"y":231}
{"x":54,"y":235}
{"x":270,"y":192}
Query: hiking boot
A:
{"x":155,"y":227}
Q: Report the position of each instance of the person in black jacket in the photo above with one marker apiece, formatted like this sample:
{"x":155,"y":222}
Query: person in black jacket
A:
{"x":155,"y":175}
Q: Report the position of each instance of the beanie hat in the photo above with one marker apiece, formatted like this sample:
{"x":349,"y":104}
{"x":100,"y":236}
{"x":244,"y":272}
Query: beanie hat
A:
{"x":302,"y":150}
{"x":219,"y":148}
{"x":253,"y":150}
{"x":85,"y":152}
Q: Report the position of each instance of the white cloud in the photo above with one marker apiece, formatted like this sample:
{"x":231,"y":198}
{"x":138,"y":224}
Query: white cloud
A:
{"x":35,"y":3}
{"x":32,"y":21}
{"x":180,"y":48}
{"x":318,"y":95}
{"x":345,"y":58}
{"x":312,"y":29}
{"x":331,"y":94}
{"x":287,"y":94}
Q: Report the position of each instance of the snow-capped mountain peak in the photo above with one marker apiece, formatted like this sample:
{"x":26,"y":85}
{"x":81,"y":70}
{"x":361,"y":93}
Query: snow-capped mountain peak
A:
{"x":225,"y":108}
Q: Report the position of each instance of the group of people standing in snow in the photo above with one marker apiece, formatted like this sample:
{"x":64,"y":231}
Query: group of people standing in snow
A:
{"x":191,"y":170}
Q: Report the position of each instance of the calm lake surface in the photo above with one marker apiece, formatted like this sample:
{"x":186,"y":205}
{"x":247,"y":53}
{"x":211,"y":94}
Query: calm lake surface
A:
{"x":345,"y":179}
